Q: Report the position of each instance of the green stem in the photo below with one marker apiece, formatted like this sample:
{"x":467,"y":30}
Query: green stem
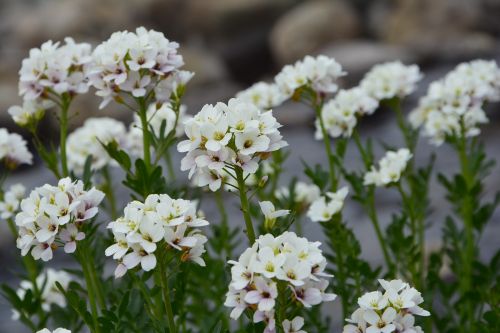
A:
{"x":224,"y":222}
{"x":328,"y":148}
{"x":145,"y":132}
{"x":63,"y":124}
{"x":282,"y":303}
{"x":170,"y":166}
{"x":372,"y":213}
{"x":166,"y":296}
{"x":340,"y":261}
{"x":83,"y":260}
{"x":245,"y":206}
{"x":110,"y":194}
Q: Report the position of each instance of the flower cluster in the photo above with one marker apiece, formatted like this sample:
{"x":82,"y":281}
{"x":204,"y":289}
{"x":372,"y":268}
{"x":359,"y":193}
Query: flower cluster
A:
{"x":54,"y":215}
{"x":237,"y":134}
{"x":134,"y":63}
{"x":13,"y":149}
{"x":303,"y":193}
{"x":46,"y":284}
{"x":55,"y":69}
{"x":149,"y":225}
{"x":454,"y":104}
{"x":9,"y":205}
{"x":320,"y":73}
{"x":391,"y":79}
{"x":392,"y":311}
{"x":57,"y":330}
{"x":391,"y":166}
{"x":340,"y":115}
{"x":322,"y":210}
{"x":263,"y":95}
{"x":286,"y":259}
{"x":88,"y":140}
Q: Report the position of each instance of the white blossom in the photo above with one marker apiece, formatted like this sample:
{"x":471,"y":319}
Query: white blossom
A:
{"x":391,"y":166}
{"x":263,"y":95}
{"x":159,"y":220}
{"x":325,"y":207}
{"x":30,"y":112}
{"x":49,"y":292}
{"x":393,"y":310}
{"x":453,"y":105}
{"x":294,"y":326}
{"x":54,"y":214}
{"x":134,"y":63}
{"x":391,"y":79}
{"x":57,"y":330}
{"x":271,"y":260}
{"x":270,"y":213}
{"x":238,"y":134}
{"x":9,"y":205}
{"x":13,"y":149}
{"x":89,"y":139}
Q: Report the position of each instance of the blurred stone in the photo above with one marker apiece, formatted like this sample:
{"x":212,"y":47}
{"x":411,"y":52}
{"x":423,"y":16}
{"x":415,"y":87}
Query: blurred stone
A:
{"x":206,"y":65}
{"x":358,"y":56}
{"x":436,"y":28}
{"x":310,"y":25}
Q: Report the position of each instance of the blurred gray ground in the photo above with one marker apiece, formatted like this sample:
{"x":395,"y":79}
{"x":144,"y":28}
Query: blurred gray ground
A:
{"x":233,"y":43}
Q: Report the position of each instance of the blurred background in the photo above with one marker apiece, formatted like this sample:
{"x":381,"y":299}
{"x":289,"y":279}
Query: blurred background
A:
{"x":231,"y":44}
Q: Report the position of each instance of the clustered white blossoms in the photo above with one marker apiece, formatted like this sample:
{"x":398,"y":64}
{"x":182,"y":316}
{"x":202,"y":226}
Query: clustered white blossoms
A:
{"x":55,"y":69}
{"x":13,"y":149}
{"x":159,"y":222}
{"x":303,"y":193}
{"x":237,"y":134}
{"x":391,"y":79}
{"x":340,"y":114}
{"x":263,"y":95}
{"x":9,"y":205}
{"x":46,"y":284}
{"x":88,"y":139}
{"x":57,"y":330}
{"x":286,"y":258}
{"x":132,"y":62}
{"x":391,"y":166}
{"x":323,"y":209}
{"x":391,"y":311}
{"x":53,"y":215}
{"x":454,"y":105}
{"x":320,"y":73}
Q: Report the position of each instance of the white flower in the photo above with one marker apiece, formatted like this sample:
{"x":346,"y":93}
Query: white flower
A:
{"x":263,"y":95}
{"x":46,"y":283}
{"x":30,"y":112}
{"x":453,"y":105}
{"x":303,"y":193}
{"x":322,"y":211}
{"x":55,"y":68}
{"x":9,"y":206}
{"x":264,"y":294}
{"x":238,"y":134}
{"x":88,"y":140}
{"x":384,"y":313}
{"x":57,"y":330}
{"x":54,"y":214}
{"x":13,"y":149}
{"x":320,"y":73}
{"x":391,"y":166}
{"x":273,"y":260}
{"x":159,"y":222}
{"x":340,"y":114}
{"x":294,"y":326}
{"x":270,"y":213}
{"x":391,"y":79}
{"x":135,"y":62}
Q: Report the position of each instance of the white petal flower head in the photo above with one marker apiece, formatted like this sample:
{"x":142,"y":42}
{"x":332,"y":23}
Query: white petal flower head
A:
{"x":57,"y":330}
{"x":270,"y":212}
{"x":320,"y":72}
{"x":294,"y":326}
{"x":380,"y":323}
{"x":263,"y":95}
{"x":391,"y":79}
{"x":391,"y":166}
{"x":453,"y":106}
{"x":13,"y":149}
{"x":322,"y":210}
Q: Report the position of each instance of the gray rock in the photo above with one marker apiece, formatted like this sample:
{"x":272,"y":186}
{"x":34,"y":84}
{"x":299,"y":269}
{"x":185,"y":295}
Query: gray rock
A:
{"x":358,"y":56}
{"x":310,"y":25}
